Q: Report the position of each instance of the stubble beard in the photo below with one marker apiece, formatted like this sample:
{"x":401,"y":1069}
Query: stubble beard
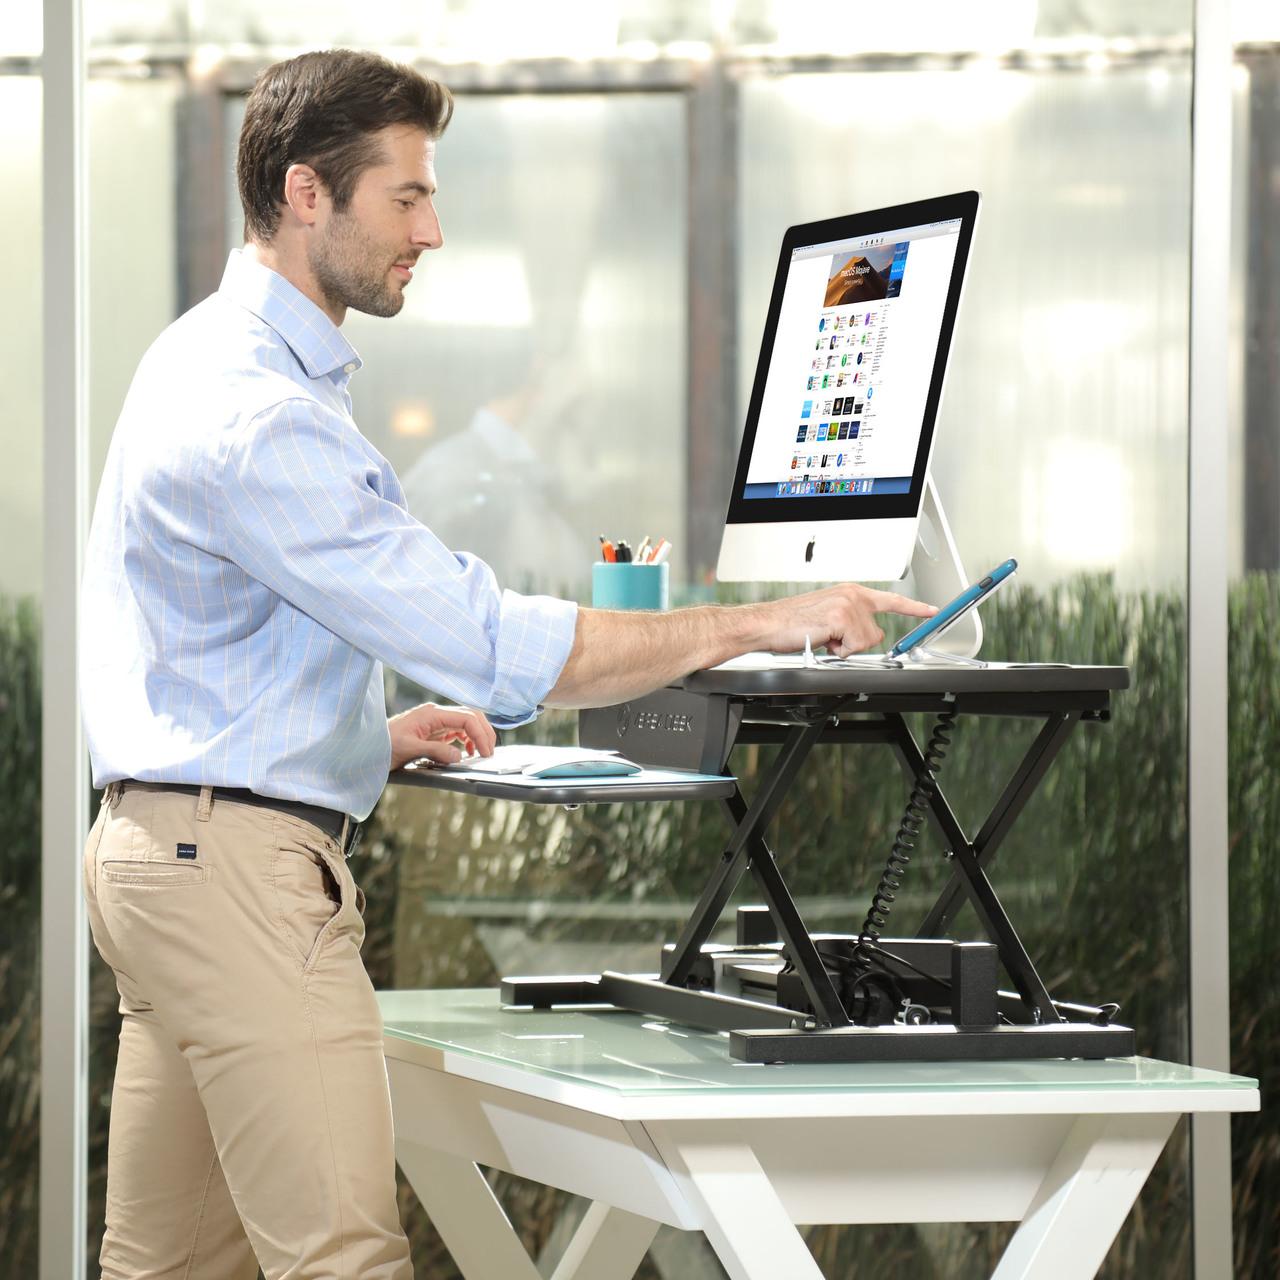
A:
{"x":351,"y":270}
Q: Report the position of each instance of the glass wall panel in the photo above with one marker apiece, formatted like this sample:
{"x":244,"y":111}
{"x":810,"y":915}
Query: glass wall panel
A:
{"x":1254,"y":709}
{"x":1062,"y":432}
{"x":1061,"y":440}
{"x":133,"y":226}
{"x":21,"y":568}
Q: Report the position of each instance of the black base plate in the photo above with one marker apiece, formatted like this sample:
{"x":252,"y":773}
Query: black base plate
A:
{"x":773,"y":1040}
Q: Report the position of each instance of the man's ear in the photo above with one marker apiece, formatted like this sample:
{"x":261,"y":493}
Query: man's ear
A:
{"x":304,"y":192}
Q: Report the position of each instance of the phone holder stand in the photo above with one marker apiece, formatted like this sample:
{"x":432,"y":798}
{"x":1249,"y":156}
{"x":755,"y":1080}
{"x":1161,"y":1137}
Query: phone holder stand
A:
{"x":937,"y":576}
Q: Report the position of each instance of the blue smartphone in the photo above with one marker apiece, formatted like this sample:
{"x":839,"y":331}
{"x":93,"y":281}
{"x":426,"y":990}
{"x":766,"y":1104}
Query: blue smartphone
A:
{"x":958,"y":607}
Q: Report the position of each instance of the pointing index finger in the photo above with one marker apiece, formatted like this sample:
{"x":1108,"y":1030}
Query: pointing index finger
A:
{"x":892,"y":602}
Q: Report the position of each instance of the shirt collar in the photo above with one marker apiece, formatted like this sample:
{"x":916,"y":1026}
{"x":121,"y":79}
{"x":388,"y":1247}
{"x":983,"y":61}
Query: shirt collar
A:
{"x":311,"y":335}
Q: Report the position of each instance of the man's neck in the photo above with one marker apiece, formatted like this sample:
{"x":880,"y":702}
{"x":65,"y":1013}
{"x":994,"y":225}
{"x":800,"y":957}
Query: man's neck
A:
{"x":287,"y":258}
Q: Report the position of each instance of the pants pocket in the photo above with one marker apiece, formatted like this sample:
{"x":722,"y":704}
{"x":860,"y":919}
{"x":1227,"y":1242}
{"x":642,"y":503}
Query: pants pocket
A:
{"x":152,"y":874}
{"x":308,"y":895}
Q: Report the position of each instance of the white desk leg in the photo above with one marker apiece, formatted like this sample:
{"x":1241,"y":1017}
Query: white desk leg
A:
{"x":744,"y":1220}
{"x":1085,"y":1197}
{"x":609,"y":1244}
{"x":462,"y":1207}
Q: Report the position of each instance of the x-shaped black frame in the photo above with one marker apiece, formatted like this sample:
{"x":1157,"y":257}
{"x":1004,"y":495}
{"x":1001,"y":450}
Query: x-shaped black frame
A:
{"x":747,"y":850}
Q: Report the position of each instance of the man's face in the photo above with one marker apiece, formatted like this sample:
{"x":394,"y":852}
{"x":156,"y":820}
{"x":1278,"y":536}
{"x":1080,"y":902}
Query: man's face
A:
{"x":363,"y":257}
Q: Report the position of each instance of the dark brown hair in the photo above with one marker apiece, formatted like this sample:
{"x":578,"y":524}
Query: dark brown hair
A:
{"x":323,"y":109}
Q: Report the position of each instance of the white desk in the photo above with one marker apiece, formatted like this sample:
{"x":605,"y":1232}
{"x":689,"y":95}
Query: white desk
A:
{"x":656,"y":1124}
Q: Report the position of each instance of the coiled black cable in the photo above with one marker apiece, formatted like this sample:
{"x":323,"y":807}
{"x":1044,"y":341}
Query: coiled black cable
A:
{"x":908,"y":832}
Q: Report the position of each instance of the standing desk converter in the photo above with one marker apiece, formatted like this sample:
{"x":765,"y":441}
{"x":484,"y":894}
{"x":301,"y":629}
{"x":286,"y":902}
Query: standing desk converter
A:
{"x":695,"y":723}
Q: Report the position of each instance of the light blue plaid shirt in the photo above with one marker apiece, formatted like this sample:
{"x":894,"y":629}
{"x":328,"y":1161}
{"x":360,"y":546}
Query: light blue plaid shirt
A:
{"x":251,"y":566}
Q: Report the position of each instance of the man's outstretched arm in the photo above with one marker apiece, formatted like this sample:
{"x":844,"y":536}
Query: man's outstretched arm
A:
{"x":620,"y":655}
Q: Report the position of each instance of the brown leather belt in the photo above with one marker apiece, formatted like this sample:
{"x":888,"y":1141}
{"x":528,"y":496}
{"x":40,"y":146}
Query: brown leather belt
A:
{"x":330,"y":821}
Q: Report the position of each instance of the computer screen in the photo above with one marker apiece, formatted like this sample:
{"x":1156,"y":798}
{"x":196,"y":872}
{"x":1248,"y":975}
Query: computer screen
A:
{"x":847,"y":387}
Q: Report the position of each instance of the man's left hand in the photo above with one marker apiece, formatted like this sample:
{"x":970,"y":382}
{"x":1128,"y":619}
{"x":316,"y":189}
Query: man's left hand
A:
{"x":442,"y":734}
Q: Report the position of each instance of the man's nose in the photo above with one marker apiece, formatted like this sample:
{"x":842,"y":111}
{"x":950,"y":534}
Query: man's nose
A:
{"x":426,"y":232}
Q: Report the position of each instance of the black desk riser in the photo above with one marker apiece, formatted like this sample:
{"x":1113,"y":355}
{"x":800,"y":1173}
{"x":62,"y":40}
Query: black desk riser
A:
{"x":696,"y":723}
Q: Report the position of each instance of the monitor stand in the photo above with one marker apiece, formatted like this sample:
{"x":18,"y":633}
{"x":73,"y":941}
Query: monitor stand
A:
{"x":937,"y":576}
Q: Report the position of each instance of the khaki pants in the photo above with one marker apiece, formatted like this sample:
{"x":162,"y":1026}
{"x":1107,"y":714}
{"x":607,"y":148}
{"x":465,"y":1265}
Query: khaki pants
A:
{"x":251,"y":1121}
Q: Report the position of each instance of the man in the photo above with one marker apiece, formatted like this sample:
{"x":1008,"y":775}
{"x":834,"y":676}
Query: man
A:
{"x":251,"y":565}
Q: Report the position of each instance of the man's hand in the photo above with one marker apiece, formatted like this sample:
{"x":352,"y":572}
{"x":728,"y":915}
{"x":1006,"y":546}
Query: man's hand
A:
{"x":841,"y":618}
{"x":442,"y":734}
{"x":619,"y":655}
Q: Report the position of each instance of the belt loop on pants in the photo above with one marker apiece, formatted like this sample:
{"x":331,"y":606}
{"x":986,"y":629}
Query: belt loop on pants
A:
{"x":204,"y":809}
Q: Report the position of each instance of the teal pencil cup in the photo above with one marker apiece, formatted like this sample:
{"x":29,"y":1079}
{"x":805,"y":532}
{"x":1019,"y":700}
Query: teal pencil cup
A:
{"x":630,"y":586}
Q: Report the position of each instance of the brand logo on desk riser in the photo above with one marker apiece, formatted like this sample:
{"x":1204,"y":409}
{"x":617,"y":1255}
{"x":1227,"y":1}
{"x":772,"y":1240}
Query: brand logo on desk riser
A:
{"x":652,"y":721}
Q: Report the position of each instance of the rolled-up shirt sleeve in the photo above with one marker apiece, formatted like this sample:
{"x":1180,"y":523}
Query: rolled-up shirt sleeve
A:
{"x":307,"y":516}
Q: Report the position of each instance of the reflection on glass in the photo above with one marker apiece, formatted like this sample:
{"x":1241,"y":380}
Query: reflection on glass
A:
{"x":544,"y":343}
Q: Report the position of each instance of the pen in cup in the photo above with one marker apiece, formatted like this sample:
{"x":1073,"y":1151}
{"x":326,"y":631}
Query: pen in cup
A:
{"x":648,"y":552}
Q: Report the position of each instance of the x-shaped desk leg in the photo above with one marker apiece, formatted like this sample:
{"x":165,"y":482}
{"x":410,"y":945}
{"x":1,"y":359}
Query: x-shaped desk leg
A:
{"x":747,"y":850}
{"x":970,"y":858}
{"x":1026,"y":778}
{"x":609,"y":1244}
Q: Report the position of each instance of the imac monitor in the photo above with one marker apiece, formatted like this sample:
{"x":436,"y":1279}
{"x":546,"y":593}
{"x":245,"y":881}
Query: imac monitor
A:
{"x":835,"y":453}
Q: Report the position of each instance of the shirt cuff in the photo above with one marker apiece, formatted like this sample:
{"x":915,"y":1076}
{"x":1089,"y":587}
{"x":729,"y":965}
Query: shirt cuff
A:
{"x":535,"y":638}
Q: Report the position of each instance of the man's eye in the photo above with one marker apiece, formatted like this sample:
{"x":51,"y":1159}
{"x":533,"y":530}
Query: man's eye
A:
{"x":405,"y":204}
